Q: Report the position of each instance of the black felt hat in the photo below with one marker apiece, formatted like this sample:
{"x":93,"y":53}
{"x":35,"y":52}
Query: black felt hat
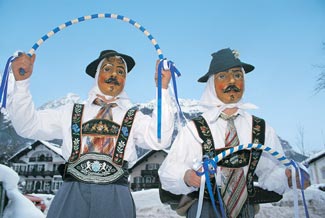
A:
{"x":223,"y":60}
{"x":92,"y":67}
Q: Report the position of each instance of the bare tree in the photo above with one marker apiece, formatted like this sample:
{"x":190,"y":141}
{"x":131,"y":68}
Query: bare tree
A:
{"x":301,"y":139}
{"x":320,"y":82}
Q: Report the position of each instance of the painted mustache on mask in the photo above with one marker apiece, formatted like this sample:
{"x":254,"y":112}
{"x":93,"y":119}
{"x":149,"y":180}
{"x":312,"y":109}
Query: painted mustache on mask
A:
{"x":112,"y":80}
{"x":231,"y":88}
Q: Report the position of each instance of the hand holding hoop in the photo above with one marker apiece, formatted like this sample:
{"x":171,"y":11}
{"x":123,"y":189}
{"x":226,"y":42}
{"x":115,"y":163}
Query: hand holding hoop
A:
{"x":22,"y":66}
{"x":22,"y":72}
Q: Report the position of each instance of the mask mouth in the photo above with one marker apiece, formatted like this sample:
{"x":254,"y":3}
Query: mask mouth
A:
{"x":231,"y":88}
{"x":112,"y":80}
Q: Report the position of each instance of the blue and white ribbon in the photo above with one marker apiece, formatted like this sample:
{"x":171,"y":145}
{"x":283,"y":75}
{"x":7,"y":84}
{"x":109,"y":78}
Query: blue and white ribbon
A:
{"x":3,"y":91}
{"x":295,"y":167}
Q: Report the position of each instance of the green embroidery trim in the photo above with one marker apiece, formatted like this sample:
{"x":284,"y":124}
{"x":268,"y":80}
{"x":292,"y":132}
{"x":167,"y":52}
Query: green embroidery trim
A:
{"x":118,"y":155}
{"x":205,"y":134}
{"x":75,"y":131}
{"x":258,"y":137}
{"x":100,"y":127}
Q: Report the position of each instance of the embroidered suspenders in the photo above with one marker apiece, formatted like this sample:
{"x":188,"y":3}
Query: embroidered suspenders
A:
{"x":76,"y":131}
{"x":96,"y":167}
{"x":258,"y":136}
{"x":242,"y":157}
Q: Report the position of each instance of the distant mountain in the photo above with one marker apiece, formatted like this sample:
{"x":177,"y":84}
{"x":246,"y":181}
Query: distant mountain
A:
{"x":290,"y":153}
{"x":10,"y":142}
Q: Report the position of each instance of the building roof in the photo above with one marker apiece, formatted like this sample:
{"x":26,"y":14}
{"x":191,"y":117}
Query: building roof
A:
{"x":146,"y":156}
{"x":315,"y":157}
{"x":55,"y":148}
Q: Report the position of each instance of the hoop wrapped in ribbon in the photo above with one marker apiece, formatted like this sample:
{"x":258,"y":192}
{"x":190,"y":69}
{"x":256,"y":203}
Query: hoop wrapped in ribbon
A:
{"x":208,"y":167}
{"x":163,"y":63}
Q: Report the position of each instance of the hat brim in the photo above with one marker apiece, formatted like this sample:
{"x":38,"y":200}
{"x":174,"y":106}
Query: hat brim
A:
{"x":247,"y":67}
{"x":92,"y":67}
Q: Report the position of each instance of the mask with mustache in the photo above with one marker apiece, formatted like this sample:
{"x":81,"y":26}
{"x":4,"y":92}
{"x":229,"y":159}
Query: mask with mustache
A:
{"x":231,"y":88}
{"x":112,"y":80}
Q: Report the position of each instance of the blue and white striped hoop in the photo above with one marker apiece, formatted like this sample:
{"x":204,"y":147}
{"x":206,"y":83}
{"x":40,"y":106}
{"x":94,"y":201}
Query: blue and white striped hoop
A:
{"x":170,"y":64}
{"x":95,"y":16}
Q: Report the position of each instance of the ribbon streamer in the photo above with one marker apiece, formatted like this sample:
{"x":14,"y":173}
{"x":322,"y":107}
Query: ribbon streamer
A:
{"x":57,"y":29}
{"x":288,"y":163}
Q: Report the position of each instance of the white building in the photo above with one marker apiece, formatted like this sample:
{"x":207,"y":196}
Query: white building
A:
{"x":316,"y":168}
{"x":144,"y":174}
{"x":37,"y":166}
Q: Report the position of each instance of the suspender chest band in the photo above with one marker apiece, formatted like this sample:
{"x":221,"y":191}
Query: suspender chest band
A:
{"x":118,"y":156}
{"x":76,"y":131}
{"x":100,"y":127}
{"x":258,"y":136}
{"x":95,"y":168}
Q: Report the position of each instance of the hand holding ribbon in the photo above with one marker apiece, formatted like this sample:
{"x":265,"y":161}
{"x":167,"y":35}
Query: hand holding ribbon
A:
{"x":161,"y":80}
{"x":20,"y":63}
{"x":22,"y":66}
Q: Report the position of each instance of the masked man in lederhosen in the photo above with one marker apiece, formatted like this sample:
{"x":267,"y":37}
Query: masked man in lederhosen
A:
{"x":225,"y":123}
{"x":99,"y":136}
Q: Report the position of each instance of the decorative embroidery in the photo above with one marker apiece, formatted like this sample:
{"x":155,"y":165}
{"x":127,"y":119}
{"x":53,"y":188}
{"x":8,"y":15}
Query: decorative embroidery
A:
{"x":240,"y":158}
{"x":258,"y":137}
{"x":235,"y":160}
{"x":205,"y":135}
{"x":118,"y":155}
{"x":95,"y":168}
{"x":100,"y":127}
{"x":75,"y":131}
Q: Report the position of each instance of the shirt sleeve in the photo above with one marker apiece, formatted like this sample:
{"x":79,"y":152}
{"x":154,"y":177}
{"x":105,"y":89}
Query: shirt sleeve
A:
{"x":186,"y":149}
{"x":27,"y":121}
{"x":145,"y":126}
{"x":271,"y":172}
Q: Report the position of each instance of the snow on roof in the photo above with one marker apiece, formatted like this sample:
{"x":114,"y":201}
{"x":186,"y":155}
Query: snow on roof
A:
{"x":315,"y":156}
{"x":53,"y":147}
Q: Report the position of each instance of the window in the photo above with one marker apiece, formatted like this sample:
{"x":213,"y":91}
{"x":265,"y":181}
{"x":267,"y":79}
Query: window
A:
{"x":148,"y":179}
{"x":138,"y":179}
{"x":323,"y":172}
{"x":152,"y":166}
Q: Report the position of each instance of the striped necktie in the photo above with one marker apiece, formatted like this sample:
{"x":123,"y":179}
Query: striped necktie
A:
{"x":233,"y":183}
{"x":101,"y":144}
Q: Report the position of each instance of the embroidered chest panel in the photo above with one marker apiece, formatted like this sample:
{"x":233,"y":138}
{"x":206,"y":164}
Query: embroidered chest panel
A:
{"x":240,"y":158}
{"x":101,"y":127}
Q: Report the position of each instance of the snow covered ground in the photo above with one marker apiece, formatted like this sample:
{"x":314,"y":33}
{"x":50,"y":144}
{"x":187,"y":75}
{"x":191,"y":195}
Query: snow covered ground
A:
{"x":149,"y":206}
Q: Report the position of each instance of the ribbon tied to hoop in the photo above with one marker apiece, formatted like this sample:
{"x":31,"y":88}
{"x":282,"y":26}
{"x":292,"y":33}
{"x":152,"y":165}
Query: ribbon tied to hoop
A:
{"x":209,"y":168}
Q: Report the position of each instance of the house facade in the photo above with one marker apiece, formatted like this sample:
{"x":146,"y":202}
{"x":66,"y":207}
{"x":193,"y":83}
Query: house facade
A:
{"x":37,"y":167}
{"x":316,"y":167}
{"x":144,"y":174}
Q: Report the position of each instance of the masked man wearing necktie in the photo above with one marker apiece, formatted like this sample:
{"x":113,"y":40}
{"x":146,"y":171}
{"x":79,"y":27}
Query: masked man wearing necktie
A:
{"x":225,"y":123}
{"x":99,"y":136}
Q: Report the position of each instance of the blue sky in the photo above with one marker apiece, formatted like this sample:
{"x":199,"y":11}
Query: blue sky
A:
{"x":284,"y":40}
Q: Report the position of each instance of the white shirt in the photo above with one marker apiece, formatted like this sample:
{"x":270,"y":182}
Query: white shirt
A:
{"x":187,"y":148}
{"x":56,"y":123}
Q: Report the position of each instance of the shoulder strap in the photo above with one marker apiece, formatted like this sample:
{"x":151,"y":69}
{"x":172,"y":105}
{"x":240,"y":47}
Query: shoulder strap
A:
{"x":118,"y":156}
{"x":205,"y":134}
{"x":76,"y":131}
{"x":258,"y":137}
